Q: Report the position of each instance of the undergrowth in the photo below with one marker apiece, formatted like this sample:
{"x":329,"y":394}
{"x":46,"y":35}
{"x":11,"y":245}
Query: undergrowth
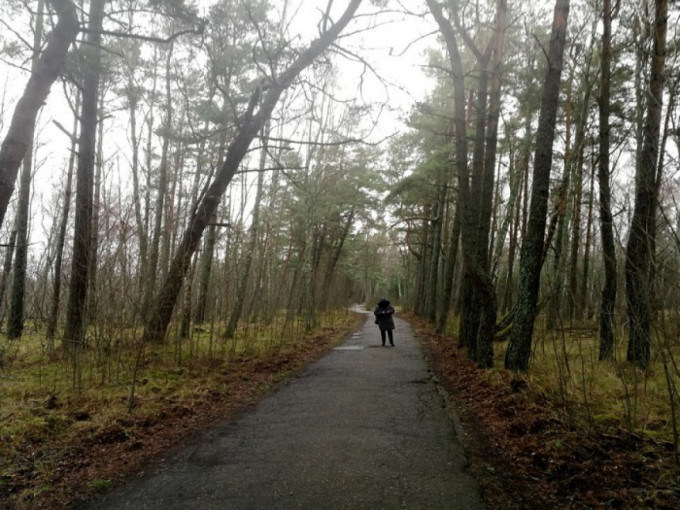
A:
{"x":125,"y":398}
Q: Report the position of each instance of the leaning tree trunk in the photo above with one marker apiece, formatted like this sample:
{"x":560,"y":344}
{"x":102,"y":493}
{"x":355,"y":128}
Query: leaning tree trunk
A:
{"x":643,"y":229}
{"x":82,"y":238}
{"x":162,"y":307}
{"x":15,"y":322}
{"x":20,"y":133}
{"x":519,"y":348}
{"x":606,"y":221}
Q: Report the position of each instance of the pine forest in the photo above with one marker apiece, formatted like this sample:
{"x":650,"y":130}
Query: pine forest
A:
{"x":197,"y":192}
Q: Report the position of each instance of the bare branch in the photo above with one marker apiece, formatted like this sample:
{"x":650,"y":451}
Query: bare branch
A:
{"x":148,"y":38}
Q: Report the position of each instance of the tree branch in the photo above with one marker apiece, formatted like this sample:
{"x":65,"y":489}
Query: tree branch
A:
{"x":148,"y":38}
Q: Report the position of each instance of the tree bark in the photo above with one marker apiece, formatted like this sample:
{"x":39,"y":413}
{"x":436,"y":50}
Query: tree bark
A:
{"x":6,"y":270}
{"x":606,"y":220}
{"x":643,"y":228}
{"x":20,"y":133}
{"x":164,"y":304}
{"x":519,"y":349}
{"x":74,"y":333}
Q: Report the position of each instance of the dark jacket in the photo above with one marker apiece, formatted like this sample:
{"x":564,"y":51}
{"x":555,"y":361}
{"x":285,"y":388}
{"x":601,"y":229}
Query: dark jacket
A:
{"x":383,"y":315}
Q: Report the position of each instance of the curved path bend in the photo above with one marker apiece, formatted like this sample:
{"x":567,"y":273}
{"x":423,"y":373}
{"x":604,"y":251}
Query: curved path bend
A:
{"x":362,"y":428}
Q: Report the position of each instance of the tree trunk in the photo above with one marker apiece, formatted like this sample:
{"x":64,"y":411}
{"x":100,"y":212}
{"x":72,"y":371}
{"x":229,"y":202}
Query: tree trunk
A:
{"x":252,"y":242}
{"x":96,"y":212}
{"x":6,"y":270}
{"x":487,"y":292}
{"x":204,"y":278}
{"x":449,"y":270}
{"x":164,"y":304}
{"x":519,"y":348}
{"x":459,"y":122}
{"x":61,"y":236}
{"x":643,"y":228}
{"x":554,"y":308}
{"x":583,"y":308}
{"x":74,"y":333}
{"x":335,"y":257}
{"x":472,"y":300}
{"x":572,"y":291}
{"x":159,"y":212}
{"x":433,"y":284}
{"x":206,"y":261}
{"x":606,"y":221}
{"x":133,"y":102}
{"x":15,"y":322}
{"x":20,"y":133}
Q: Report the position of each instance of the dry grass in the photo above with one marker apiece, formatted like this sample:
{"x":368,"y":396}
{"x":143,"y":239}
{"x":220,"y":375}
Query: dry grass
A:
{"x":128,"y":397}
{"x":593,"y":435}
{"x":606,"y":395}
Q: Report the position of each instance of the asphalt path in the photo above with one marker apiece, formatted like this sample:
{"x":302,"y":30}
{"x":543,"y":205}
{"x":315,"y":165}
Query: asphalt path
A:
{"x":362,"y":428}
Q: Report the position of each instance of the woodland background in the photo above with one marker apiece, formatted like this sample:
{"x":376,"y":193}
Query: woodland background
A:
{"x":215,"y":179}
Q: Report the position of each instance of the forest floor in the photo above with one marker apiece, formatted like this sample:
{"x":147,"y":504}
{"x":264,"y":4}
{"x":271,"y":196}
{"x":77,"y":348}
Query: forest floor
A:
{"x":527,"y":455}
{"x":524,"y":454}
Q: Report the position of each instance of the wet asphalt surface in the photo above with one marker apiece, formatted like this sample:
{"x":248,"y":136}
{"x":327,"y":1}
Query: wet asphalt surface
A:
{"x":363,"y":428}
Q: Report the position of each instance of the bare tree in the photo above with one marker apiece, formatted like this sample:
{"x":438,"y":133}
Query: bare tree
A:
{"x":254,"y":118}
{"x":20,"y":134}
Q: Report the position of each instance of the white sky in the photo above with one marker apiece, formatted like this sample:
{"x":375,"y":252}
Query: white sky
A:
{"x":391,"y":48}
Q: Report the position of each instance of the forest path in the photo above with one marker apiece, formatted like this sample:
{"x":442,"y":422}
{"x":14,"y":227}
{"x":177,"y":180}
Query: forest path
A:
{"x":362,"y":428}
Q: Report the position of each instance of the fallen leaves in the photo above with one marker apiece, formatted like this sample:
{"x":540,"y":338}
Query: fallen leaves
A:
{"x":526,"y":456}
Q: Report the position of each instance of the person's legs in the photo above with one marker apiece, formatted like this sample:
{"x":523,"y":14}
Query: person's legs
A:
{"x":389,"y":332}
{"x":382,"y":335}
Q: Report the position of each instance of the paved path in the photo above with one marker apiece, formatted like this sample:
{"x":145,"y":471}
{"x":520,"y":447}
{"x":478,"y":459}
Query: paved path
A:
{"x":363,"y":428}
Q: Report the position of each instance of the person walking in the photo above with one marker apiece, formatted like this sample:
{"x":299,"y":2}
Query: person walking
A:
{"x":383,"y":318}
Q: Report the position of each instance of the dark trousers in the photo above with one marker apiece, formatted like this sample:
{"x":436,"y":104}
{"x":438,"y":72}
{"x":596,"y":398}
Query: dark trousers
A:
{"x":389,"y":333}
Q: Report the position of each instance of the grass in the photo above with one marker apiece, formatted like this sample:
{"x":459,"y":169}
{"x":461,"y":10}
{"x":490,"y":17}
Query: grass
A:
{"x":123,"y":385}
{"x":604,"y":394}
{"x":573,"y":432}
